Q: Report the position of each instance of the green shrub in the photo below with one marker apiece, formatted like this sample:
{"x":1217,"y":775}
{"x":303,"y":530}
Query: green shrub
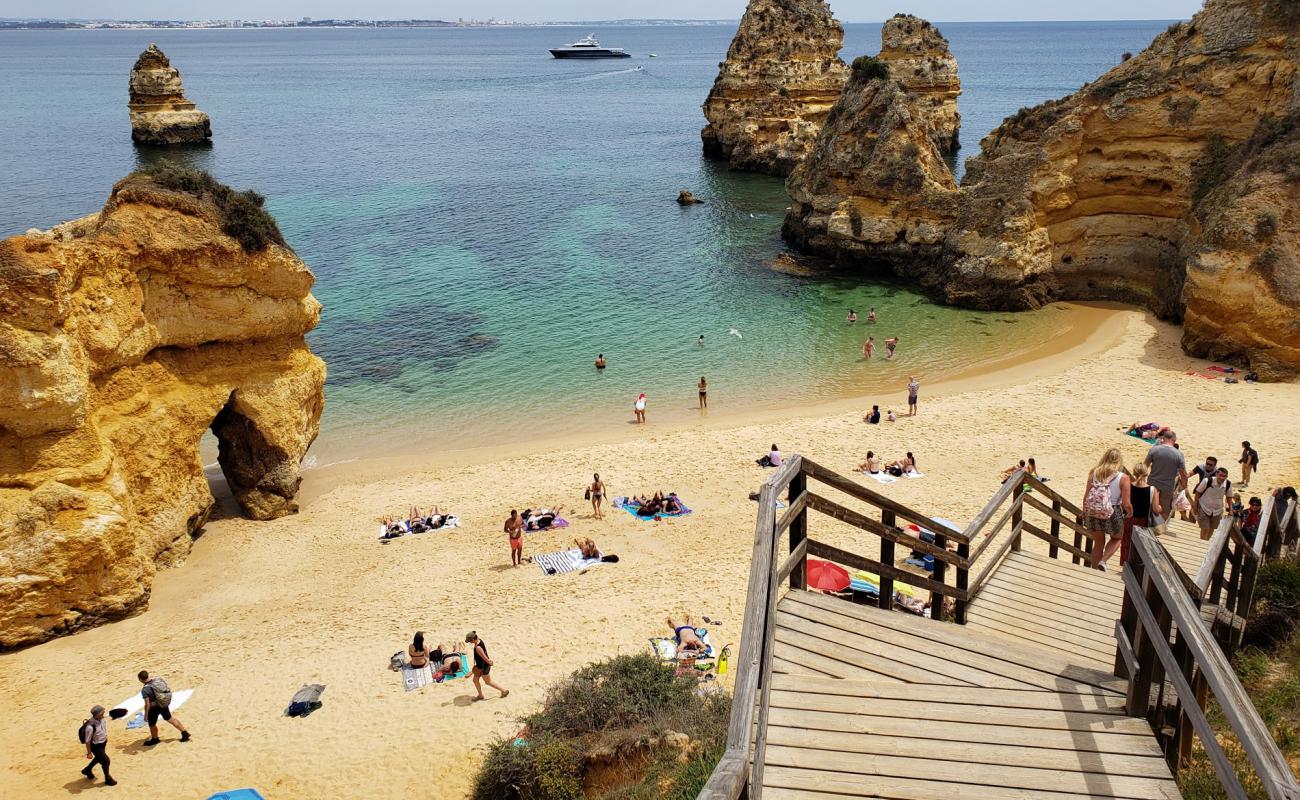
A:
{"x":507,"y":773}
{"x":1265,"y":225}
{"x":243,"y":215}
{"x":559,"y":770}
{"x":1278,"y":585}
{"x":870,"y":68}
{"x":621,"y":692}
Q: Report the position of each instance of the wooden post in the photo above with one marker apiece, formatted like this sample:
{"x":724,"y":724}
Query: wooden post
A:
{"x":940,"y":573}
{"x":1078,"y":541}
{"x":1128,"y":618}
{"x":1216,"y":577}
{"x":887,"y":557}
{"x":963,"y":582}
{"x":798,"y":531}
{"x":1234,"y":580}
{"x":1052,"y":549}
{"x":1017,"y":516}
{"x":1139,"y":683}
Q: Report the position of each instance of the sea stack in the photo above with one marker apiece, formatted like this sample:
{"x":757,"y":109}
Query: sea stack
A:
{"x":126,"y":335}
{"x":876,"y":189}
{"x":781,"y":77}
{"x":160,"y":112}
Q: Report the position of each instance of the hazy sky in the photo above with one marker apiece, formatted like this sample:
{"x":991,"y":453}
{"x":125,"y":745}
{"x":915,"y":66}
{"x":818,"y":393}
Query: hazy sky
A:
{"x":537,"y":10}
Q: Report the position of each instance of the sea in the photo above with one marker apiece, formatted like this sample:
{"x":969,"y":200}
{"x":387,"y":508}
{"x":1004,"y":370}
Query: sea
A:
{"x":483,"y":219}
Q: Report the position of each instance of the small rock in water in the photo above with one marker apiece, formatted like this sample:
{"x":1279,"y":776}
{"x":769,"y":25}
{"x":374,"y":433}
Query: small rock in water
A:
{"x":685,"y":198}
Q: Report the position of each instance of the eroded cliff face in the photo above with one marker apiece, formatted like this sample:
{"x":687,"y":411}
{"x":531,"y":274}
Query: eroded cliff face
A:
{"x":160,"y":112}
{"x":123,"y":337}
{"x":876,"y":188}
{"x":780,"y":79}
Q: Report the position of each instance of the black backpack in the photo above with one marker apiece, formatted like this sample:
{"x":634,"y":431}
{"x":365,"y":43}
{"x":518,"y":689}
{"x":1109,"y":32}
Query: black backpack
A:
{"x":81,"y":732}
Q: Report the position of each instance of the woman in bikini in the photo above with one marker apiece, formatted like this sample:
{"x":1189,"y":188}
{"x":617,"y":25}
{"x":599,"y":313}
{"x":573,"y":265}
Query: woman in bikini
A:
{"x":703,"y":386}
{"x":597,"y":493}
{"x":417,"y":651}
{"x":872,"y":465}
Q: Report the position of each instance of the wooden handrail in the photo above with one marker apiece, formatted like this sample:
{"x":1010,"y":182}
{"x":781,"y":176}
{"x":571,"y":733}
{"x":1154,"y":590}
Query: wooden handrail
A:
{"x":826,"y":551}
{"x":832,"y":509}
{"x":1152,"y":589}
{"x":861,"y":492}
{"x":1217,"y":542}
{"x":1003,"y":494}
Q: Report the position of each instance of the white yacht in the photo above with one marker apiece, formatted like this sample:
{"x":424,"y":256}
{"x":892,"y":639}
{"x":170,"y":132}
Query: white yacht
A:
{"x":588,"y":47}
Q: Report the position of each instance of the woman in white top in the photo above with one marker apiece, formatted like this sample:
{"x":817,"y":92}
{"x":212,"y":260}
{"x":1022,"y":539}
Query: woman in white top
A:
{"x":1106,"y":504}
{"x":638,"y":408}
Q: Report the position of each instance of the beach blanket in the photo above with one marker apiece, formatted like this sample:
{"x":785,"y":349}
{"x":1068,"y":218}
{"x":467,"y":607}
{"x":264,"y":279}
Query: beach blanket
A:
{"x":558,"y":522}
{"x":416,"y":677}
{"x":665,"y":648}
{"x":914,"y":474}
{"x":450,"y":521}
{"x":564,"y":561}
{"x":622,"y":502}
{"x":1137,"y":435}
{"x":880,"y":477}
{"x":134,"y":706}
{"x":864,"y":581}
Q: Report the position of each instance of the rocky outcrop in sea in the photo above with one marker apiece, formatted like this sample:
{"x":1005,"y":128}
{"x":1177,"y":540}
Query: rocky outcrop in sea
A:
{"x":781,"y":77}
{"x":124,"y":336}
{"x":1170,"y":182}
{"x":160,"y":112}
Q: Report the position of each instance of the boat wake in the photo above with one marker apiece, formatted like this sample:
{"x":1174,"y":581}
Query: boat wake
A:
{"x":603,"y":75}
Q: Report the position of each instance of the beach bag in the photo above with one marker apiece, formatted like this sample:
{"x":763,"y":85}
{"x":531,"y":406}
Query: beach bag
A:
{"x":162,"y":694}
{"x":1096,"y":503}
{"x":587,"y":494}
{"x":1181,"y":503}
{"x":305,"y":700}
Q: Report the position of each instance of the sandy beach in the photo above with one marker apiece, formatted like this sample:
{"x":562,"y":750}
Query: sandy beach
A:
{"x":259,"y":608}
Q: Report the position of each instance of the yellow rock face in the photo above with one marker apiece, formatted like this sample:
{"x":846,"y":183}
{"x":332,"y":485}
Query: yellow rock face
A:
{"x":781,"y":77}
{"x":123,"y":337}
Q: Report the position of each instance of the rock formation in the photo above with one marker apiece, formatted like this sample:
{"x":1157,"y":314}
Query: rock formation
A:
{"x":780,"y":79}
{"x":876,"y":186}
{"x":123,"y":337}
{"x":160,"y":113}
{"x":686,"y":198}
{"x":1144,"y":186}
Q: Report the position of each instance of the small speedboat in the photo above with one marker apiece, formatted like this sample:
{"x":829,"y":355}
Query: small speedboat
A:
{"x":588,"y":47}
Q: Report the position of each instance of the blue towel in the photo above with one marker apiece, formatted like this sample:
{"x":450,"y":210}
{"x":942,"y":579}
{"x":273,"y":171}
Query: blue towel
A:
{"x":631,"y":509}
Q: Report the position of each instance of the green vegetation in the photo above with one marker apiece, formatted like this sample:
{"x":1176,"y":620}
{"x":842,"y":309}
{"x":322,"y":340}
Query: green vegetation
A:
{"x":624,"y":729}
{"x":1269,"y":668}
{"x":243,"y":216}
{"x":1265,"y":226}
{"x":870,"y":68}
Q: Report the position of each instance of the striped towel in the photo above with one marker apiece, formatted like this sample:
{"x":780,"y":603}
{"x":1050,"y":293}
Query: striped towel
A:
{"x":415,"y":677}
{"x":563,"y":561}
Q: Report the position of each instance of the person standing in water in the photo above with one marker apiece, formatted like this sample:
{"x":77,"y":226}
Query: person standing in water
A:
{"x":890,"y":344}
{"x":913,"y":386}
{"x":853,"y":316}
{"x":868,"y":347}
{"x":638,"y":408}
{"x":703,"y":386}
{"x":600,"y":361}
{"x":871,"y":316}
{"x":596,"y":493}
{"x":701,"y":341}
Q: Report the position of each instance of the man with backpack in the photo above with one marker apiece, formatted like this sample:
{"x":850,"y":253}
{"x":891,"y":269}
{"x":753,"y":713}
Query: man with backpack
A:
{"x":157,"y":703}
{"x":1213,"y":497}
{"x":94,"y":734}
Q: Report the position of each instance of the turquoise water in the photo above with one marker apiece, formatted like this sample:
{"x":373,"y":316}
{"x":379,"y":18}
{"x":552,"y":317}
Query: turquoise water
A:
{"x":483,"y":219}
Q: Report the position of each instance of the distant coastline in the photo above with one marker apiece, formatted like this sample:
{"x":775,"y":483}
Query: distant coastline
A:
{"x":104,"y":24}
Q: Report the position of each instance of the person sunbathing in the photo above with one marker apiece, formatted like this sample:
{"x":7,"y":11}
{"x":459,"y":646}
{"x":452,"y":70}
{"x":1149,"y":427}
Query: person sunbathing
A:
{"x":872,"y":465}
{"x":903,"y":466}
{"x":392,"y":528}
{"x":649,"y":506}
{"x":444,"y":664}
{"x":542,"y":518}
{"x":686,"y":637}
{"x":588,"y":548}
{"x":1147,"y":430}
{"x":435,"y":518}
{"x":671,"y":504}
{"x":1011,"y":470}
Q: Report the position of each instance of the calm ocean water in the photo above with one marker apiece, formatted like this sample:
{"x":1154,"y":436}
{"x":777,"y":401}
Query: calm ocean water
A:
{"x":483,"y":219}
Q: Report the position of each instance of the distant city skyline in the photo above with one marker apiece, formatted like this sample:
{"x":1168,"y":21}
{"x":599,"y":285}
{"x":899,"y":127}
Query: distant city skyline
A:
{"x":549,"y":10}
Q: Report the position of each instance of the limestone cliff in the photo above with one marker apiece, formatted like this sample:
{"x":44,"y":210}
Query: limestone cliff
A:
{"x":876,"y":187}
{"x":780,"y":79}
{"x":1101,"y":194}
{"x":123,"y":337}
{"x":160,"y":112}
{"x":919,"y":60}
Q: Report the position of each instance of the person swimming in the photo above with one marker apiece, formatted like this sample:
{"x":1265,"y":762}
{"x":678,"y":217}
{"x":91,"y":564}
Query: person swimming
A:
{"x":600,"y":361}
{"x":853,"y":316}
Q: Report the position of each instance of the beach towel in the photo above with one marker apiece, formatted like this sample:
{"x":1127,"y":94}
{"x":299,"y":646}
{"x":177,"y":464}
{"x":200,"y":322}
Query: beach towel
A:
{"x":665,"y":648}
{"x":880,"y":477}
{"x":872,"y":582}
{"x":449,"y":521}
{"x":134,"y":706}
{"x":558,"y":522}
{"x":238,"y":794}
{"x":622,"y":502}
{"x":416,"y":677}
{"x":564,"y":561}
{"x":914,"y":474}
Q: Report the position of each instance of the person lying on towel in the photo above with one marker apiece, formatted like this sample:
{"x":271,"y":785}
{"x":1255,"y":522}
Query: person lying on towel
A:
{"x":688,"y":641}
{"x":541,"y":519}
{"x":444,"y":664}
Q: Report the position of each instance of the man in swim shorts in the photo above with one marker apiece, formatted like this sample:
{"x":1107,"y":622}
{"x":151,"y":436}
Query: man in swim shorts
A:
{"x":687,"y":639}
{"x":515,"y":530}
{"x":913,"y":386}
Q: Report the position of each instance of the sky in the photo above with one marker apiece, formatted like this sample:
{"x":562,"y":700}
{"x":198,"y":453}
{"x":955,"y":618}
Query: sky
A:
{"x":542,"y":10}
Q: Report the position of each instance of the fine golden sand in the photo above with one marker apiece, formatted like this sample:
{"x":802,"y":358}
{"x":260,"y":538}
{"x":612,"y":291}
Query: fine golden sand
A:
{"x":261,"y":608}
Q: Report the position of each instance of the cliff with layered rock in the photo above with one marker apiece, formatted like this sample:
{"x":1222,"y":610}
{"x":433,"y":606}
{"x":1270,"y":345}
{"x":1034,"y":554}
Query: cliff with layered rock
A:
{"x":781,"y":77}
{"x":1102,"y":194}
{"x":160,"y":112}
{"x":876,"y":186}
{"x":124,"y":336}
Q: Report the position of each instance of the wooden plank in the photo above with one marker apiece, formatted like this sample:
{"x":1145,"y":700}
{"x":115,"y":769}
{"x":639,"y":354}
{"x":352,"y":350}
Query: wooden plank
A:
{"x":1056,"y":516}
{"x":782,"y":666}
{"x":989,"y":535}
{"x":1080,"y":698}
{"x":1066,"y":577}
{"x":854,"y":489}
{"x":842,"y":630}
{"x":857,"y":652}
{"x":792,"y":512}
{"x":1068,"y":610}
{"x":1217,"y":542}
{"x":1051,"y":666}
{"x":1086,"y":643}
{"x":1076,"y":652}
{"x":1095,"y":738}
{"x":985,"y":775}
{"x":792,"y":646}
{"x":851,"y":517}
{"x":793,"y":561}
{"x":787,"y":783}
{"x":844,"y":557}
{"x":990,"y":508}
{"x":922,"y":746}
{"x":1086,"y":623}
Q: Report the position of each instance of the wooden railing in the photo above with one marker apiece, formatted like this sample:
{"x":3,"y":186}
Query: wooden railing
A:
{"x":1173,"y":663}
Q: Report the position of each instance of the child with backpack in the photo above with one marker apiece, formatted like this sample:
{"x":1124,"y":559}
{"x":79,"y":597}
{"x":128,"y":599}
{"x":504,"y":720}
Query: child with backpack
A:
{"x":1106,"y":504}
{"x":157,"y":703}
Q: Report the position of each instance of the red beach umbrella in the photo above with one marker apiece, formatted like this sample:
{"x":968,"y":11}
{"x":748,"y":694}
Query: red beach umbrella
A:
{"x":827,"y":576}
